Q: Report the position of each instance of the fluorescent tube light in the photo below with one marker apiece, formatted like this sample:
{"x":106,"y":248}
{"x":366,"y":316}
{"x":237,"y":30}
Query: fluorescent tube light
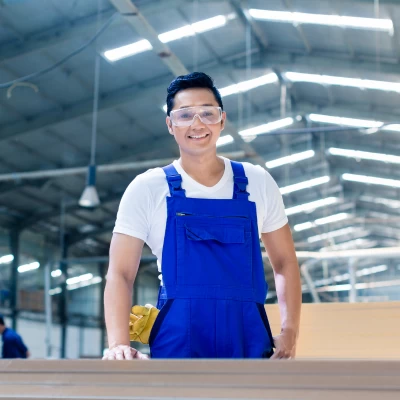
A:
{"x":176,"y":34}
{"x":371,"y":180}
{"x":56,"y":273}
{"x":343,"y":81}
{"x":311,"y":206}
{"x":378,"y":200}
{"x":293,"y":158}
{"x":77,"y":285}
{"x":84,"y":283}
{"x":223,"y":140}
{"x":371,"y":270}
{"x":191,"y":30}
{"x":333,"y":234}
{"x":331,"y":218}
{"x":54,"y":291}
{"x":28,"y":267}
{"x":6,"y":259}
{"x":128,"y":50}
{"x":321,"y":221}
{"x":269,"y":127}
{"x":245,"y":86}
{"x":375,"y":24}
{"x":305,"y":184}
{"x":361,"y":123}
{"x":79,"y":278}
{"x":364,"y":155}
{"x":210,"y":23}
{"x":392,"y":127}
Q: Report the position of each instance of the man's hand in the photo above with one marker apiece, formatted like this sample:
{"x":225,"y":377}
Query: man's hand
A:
{"x":124,"y":352}
{"x":285,"y":345}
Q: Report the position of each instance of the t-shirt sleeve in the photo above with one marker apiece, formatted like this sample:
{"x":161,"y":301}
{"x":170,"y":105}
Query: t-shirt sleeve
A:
{"x":275,"y":216}
{"x":134,"y":210}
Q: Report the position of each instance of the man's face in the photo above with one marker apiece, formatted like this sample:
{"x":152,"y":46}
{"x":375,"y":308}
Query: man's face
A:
{"x":197,"y":138}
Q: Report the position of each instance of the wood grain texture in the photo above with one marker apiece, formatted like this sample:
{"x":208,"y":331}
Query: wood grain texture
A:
{"x":346,"y":330}
{"x":194,"y":379}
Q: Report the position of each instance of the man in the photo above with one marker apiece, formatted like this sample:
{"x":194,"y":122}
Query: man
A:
{"x":202,"y":217}
{"x":13,"y":346}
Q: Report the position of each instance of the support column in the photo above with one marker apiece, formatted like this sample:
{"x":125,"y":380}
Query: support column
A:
{"x":63,"y":305}
{"x":48,"y":308}
{"x":102,"y":273}
{"x":310,"y":283}
{"x":353,"y":262}
{"x":14,"y":247}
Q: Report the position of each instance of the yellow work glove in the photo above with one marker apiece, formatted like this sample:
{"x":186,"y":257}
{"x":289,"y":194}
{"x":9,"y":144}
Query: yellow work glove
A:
{"x":141,"y":320}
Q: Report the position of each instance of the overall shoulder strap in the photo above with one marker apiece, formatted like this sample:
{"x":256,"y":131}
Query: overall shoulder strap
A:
{"x":240,"y":181}
{"x":174,"y":181}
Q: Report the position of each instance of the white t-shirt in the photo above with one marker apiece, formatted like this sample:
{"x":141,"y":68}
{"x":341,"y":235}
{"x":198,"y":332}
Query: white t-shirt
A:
{"x":143,"y":209}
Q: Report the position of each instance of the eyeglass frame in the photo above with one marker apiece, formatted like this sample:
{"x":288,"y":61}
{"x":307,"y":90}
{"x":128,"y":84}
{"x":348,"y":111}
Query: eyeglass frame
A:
{"x":221,"y":111}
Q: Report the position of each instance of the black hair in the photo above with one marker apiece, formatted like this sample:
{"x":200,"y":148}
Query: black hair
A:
{"x":193,"y":80}
{"x":1,"y":320}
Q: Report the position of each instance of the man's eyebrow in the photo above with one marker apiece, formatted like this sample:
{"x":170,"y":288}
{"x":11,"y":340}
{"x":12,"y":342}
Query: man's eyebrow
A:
{"x":203,"y":105}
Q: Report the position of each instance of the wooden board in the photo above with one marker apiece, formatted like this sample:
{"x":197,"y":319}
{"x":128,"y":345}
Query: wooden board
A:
{"x":346,"y":330}
{"x":193,"y":379}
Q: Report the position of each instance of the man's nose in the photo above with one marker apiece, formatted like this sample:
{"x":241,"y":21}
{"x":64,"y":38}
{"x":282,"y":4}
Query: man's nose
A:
{"x":197,"y":123}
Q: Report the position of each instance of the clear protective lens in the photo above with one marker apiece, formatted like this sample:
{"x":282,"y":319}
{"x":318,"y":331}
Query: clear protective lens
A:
{"x":207,"y":114}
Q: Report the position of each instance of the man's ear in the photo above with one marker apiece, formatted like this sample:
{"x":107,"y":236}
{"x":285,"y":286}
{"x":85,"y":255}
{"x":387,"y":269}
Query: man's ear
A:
{"x":169,"y":125}
{"x":223,"y":120}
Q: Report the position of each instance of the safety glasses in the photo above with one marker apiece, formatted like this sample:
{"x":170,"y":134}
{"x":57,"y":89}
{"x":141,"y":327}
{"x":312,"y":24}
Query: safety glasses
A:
{"x":185,"y":116}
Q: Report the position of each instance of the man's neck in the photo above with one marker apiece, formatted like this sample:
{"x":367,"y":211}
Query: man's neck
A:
{"x":207,"y":169}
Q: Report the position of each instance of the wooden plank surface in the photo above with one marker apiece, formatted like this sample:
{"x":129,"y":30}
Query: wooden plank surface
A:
{"x":199,"y":379}
{"x":346,"y":330}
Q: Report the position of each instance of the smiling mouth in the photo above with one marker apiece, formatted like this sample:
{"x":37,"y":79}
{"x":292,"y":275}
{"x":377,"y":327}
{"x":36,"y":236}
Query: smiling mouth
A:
{"x":198,"y":137}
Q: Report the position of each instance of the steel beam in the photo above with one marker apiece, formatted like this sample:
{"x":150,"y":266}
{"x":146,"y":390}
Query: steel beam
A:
{"x":14,"y":248}
{"x":63,"y":299}
{"x":77,"y":29}
{"x":280,"y":59}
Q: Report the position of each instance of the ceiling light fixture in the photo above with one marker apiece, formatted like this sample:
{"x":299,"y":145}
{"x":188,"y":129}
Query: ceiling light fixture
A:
{"x":245,"y":86}
{"x":343,"y":81}
{"x":305,"y":185}
{"x":223,"y":140}
{"x":373,"y":180}
{"x":364,"y":155}
{"x":175,"y":34}
{"x":269,"y":127}
{"x":354,"y":122}
{"x":321,"y":221}
{"x":311,"y":206}
{"x":28,"y":267}
{"x":375,"y":24}
{"x":6,"y":259}
{"x":293,"y":158}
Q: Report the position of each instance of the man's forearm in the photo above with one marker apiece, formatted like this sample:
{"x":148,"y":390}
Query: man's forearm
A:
{"x":117,"y":306}
{"x":288,"y":290}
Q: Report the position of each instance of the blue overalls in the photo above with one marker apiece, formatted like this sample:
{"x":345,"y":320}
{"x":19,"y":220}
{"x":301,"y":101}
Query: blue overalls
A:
{"x":212,"y":301}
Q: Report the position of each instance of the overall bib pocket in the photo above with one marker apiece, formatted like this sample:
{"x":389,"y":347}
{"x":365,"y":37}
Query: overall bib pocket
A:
{"x":214,"y":251}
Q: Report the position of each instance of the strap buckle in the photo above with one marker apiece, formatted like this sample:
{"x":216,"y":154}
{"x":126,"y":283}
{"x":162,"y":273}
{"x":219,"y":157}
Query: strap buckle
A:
{"x":241,"y":182}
